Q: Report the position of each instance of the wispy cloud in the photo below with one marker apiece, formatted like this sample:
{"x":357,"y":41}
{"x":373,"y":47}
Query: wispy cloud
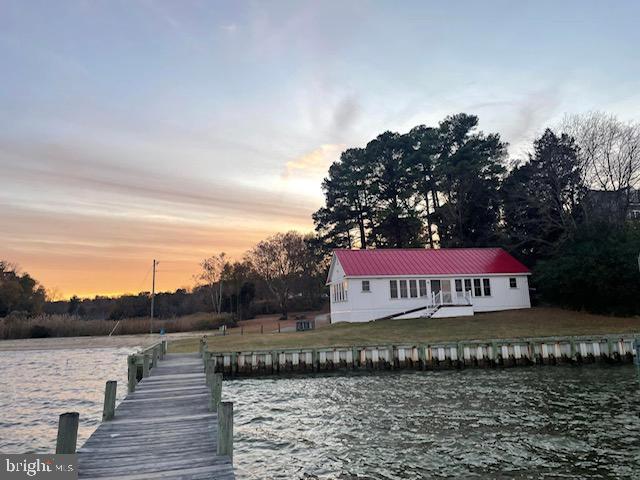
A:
{"x":85,"y":254}
{"x":73,"y":169}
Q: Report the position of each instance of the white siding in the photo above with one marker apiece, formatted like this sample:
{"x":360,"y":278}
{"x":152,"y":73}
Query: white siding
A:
{"x":363,"y":306}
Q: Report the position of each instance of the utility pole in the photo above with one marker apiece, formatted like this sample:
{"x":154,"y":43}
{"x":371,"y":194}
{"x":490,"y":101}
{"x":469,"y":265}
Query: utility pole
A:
{"x":153,"y":294}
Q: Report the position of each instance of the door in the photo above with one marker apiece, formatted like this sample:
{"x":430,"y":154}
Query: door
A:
{"x":445,"y":285}
{"x":444,"y":288}
{"x":435,"y":287}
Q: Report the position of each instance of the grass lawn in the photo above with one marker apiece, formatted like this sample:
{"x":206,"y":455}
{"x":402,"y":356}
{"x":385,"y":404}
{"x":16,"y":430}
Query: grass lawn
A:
{"x":535,"y":322}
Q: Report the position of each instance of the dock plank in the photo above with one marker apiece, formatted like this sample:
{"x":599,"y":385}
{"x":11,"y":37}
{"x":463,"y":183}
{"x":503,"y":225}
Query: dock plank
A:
{"x":163,"y":430}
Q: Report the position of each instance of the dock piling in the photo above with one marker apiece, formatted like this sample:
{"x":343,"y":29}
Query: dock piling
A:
{"x":109,"y":408}
{"x":154,"y":358}
{"x":225,"y":429}
{"x":215,"y":387}
{"x":145,"y":365}
{"x":132,"y":370}
{"x":67,"y":432}
{"x":209,"y":370}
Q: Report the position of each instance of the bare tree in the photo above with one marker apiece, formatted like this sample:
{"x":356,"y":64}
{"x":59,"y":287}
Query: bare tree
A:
{"x":609,"y":153}
{"x":211,"y":276}
{"x":53,"y":294}
{"x":278,"y":261}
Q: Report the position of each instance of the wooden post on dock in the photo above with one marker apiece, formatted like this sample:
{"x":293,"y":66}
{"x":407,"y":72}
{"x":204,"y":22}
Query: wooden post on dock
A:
{"x":215,"y":388}
{"x":68,"y":432}
{"x":225,"y":429}
{"x":164,"y":348}
{"x":109,"y":400}
{"x":208,"y":364}
{"x":145,"y":365}
{"x":132,"y":373}
{"x":155,"y":357}
{"x":209,"y":370}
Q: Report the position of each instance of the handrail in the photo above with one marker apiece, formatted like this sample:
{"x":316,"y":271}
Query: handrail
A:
{"x":148,"y":358}
{"x":437,"y":299}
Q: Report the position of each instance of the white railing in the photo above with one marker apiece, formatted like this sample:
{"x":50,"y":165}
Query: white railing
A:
{"x":448,"y":298}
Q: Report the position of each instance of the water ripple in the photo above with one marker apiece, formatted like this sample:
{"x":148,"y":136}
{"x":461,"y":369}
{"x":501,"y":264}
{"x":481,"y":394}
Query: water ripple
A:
{"x":520,"y":423}
{"x":37,"y":386}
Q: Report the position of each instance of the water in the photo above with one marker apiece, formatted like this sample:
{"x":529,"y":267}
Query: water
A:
{"x":540,"y":422}
{"x":37,"y":386}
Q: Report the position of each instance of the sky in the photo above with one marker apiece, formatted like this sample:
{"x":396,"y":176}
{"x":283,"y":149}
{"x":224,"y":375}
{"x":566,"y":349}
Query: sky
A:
{"x":140,"y":129}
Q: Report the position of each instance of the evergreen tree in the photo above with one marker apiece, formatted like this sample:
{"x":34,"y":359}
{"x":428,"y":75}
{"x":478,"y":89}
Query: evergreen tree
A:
{"x":468,"y":171}
{"x":396,"y":214}
{"x":542,"y":198}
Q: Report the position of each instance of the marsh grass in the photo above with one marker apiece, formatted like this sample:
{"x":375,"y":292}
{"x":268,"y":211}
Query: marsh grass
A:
{"x":69,"y":326}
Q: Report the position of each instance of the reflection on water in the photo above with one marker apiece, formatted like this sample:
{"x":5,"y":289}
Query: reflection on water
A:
{"x":553,"y":422}
{"x":37,"y":386}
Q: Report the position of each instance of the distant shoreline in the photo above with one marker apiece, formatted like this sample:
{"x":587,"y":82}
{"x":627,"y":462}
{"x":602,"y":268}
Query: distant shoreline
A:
{"x":63,"y":343}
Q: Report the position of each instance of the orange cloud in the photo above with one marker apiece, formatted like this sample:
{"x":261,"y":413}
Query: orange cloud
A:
{"x":314,"y":163}
{"x":87,"y":226}
{"x":88,"y":255}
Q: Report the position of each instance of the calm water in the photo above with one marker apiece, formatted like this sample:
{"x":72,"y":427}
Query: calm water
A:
{"x":554,"y":422}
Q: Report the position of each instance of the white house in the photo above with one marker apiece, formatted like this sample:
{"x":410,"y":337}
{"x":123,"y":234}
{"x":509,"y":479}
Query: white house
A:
{"x":407,"y":283}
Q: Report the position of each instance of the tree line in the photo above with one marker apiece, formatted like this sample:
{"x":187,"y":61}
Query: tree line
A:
{"x":283,"y":272}
{"x":453,"y":185}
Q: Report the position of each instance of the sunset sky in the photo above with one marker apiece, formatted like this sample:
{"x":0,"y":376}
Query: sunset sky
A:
{"x":133,"y":130}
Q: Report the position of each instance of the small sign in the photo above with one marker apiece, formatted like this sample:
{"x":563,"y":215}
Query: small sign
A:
{"x":33,"y":466}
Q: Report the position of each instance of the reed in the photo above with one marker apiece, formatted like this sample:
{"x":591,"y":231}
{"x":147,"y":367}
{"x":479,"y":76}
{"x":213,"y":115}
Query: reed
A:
{"x":71,"y":326}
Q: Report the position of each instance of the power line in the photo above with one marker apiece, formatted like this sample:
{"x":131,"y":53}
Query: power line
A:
{"x":146,"y":275}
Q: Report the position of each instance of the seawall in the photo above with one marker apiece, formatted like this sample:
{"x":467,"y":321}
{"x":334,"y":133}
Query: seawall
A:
{"x":437,"y":355}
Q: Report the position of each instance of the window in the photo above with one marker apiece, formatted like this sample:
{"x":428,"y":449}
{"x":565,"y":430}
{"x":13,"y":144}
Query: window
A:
{"x":393,"y":286}
{"x":458,"y":285}
{"x":365,"y":286}
{"x":477,"y":287}
{"x":340,"y":292}
{"x":513,"y":282}
{"x":413,"y":289}
{"x":487,"y":287}
{"x":403,"y":289}
{"x":423,"y":288}
{"x":467,"y":285}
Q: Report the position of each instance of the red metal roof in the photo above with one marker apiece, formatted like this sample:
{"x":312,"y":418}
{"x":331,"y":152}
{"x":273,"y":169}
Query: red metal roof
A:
{"x":444,"y":261}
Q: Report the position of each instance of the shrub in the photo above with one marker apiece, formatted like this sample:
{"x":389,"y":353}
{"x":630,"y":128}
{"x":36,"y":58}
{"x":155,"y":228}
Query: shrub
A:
{"x":597,"y":271}
{"x":39,"y":331}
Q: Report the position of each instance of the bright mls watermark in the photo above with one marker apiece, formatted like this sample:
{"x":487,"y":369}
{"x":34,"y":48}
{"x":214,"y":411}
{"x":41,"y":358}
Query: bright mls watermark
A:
{"x":35,"y":466}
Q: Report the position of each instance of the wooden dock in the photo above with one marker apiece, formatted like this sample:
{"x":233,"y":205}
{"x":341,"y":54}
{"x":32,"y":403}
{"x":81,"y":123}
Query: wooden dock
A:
{"x":164,"y":429}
